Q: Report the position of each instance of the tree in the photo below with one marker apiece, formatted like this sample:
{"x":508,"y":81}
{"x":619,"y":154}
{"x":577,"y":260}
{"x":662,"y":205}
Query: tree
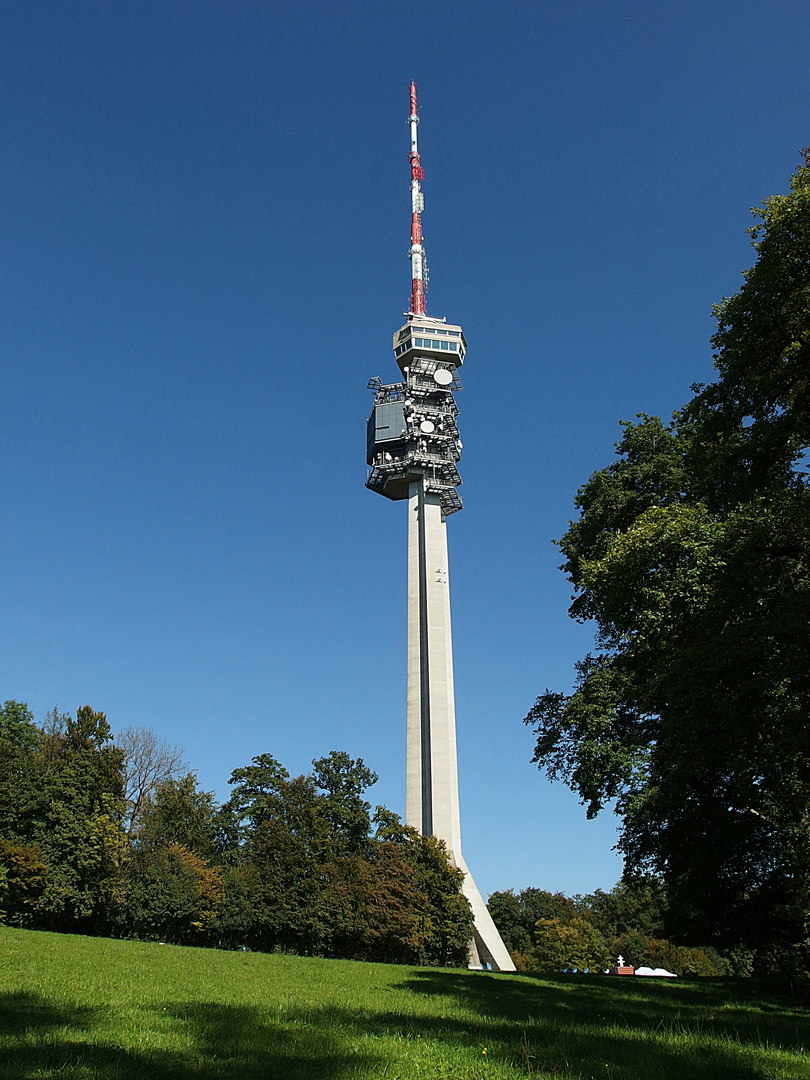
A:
{"x":79,"y":835}
{"x":317,"y":881}
{"x":692,"y":555}
{"x":504,"y":907}
{"x":573,"y":944}
{"x":309,"y":877}
{"x":179,"y":812}
{"x":373,"y":906}
{"x":172,"y":890}
{"x":283,"y":833}
{"x":173,"y":895}
{"x":343,"y":781}
{"x":517,"y":916}
{"x":21,"y":795}
{"x":444,"y":921}
{"x":23,"y":877}
{"x":148,"y":761}
{"x":233,"y":926}
{"x":634,"y":906}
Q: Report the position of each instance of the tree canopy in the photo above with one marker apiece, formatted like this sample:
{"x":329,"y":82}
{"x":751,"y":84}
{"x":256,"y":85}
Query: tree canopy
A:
{"x":107,"y":836}
{"x":691,"y":554}
{"x":551,"y":932}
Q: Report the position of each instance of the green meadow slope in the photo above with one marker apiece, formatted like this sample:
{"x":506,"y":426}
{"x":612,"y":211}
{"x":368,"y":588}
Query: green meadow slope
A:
{"x":75,"y":1008}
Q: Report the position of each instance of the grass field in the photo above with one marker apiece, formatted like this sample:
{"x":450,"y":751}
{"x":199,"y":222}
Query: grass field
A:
{"x":75,"y":1007}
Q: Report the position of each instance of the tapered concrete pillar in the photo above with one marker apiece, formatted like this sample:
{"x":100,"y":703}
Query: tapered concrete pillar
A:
{"x":432,"y":804}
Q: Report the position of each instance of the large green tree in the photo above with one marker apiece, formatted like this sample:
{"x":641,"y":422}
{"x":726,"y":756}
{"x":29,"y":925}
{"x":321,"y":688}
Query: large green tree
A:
{"x":444,"y":922}
{"x":342,"y":781}
{"x":691,"y":553}
{"x":81,"y":836}
{"x":517,"y":916}
{"x":61,"y":811}
{"x":179,"y":812}
{"x":172,"y":890}
{"x":283,"y":833}
{"x":306,"y":868}
{"x":21,"y":796}
{"x":172,"y":894}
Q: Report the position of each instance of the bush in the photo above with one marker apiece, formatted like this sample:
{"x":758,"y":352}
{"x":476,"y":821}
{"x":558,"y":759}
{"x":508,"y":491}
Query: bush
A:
{"x":23,"y":877}
{"x":573,"y":944}
{"x":642,"y":951}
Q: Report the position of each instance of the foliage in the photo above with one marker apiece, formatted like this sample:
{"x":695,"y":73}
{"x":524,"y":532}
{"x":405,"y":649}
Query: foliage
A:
{"x":565,"y":946}
{"x":173,"y":895}
{"x":107,"y":838}
{"x":235,"y":915}
{"x":373,"y":904}
{"x":87,"y":1009}
{"x":637,"y":905}
{"x":148,"y":762}
{"x":342,"y":782}
{"x":322,"y":885}
{"x":21,"y":797}
{"x":23,"y":877}
{"x":284,"y":835}
{"x":692,"y":555}
{"x":640,"y":950}
{"x":178,"y":812}
{"x":444,"y":917}
{"x":79,"y":833}
{"x":517,"y":916}
{"x":555,"y":933}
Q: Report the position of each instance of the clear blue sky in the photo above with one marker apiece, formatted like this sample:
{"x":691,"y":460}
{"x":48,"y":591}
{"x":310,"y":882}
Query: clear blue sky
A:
{"x":205,"y":219}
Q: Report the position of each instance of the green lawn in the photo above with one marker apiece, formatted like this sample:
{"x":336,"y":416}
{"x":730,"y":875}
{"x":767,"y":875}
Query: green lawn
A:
{"x":75,"y":1007}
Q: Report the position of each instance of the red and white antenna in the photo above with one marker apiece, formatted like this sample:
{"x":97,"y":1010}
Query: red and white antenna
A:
{"x":419,"y":270}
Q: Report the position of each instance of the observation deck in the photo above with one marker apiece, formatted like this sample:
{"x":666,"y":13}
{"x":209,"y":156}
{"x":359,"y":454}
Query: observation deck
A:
{"x":432,"y":338}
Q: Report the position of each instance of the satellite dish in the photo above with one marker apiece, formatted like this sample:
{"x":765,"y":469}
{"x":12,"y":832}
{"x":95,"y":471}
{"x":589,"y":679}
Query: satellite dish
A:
{"x":427,"y":427}
{"x":442,"y":376}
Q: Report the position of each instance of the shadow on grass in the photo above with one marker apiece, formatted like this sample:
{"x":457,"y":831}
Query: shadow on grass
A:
{"x":707,"y":1029}
{"x":218,"y":1041}
{"x":608,"y":997}
{"x":567,"y":1026}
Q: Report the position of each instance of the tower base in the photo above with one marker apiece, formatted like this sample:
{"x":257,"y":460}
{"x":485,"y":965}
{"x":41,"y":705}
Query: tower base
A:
{"x":486,"y":948}
{"x":432,"y":806}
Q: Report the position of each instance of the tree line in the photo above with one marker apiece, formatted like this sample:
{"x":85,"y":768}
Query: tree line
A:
{"x":113,"y":836}
{"x":551,"y":932}
{"x":691,"y":555}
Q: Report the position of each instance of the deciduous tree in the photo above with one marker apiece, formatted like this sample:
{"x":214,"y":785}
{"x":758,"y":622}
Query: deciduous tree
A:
{"x":148,"y":761}
{"x":692,"y":555}
{"x":23,"y":877}
{"x":179,"y":812}
{"x":173,"y":895}
{"x":517,"y":916}
{"x":565,"y":945}
{"x":21,"y":788}
{"x":343,"y":781}
{"x":80,"y":835}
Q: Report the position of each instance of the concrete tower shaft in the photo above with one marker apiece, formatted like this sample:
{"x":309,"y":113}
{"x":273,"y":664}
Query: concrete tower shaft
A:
{"x":431,"y":808}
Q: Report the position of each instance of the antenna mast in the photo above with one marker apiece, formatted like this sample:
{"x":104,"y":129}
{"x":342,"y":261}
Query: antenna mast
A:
{"x":419,"y":270}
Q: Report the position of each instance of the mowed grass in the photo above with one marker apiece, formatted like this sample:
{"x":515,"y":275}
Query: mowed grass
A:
{"x":75,"y":1008}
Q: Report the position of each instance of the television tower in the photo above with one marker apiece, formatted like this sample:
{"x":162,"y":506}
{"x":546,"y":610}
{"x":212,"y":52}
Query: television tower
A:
{"x":413,"y":448}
